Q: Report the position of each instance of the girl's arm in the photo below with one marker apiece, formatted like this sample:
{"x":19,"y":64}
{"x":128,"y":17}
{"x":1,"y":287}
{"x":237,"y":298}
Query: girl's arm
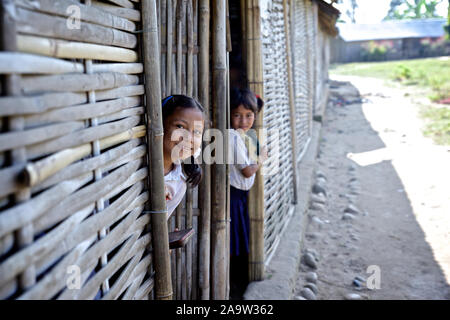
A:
{"x":251,"y":169}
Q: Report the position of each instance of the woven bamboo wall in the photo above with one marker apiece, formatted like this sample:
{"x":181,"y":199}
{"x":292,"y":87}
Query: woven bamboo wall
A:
{"x":278,"y":188}
{"x":300,"y":66}
{"x":73,"y":166}
{"x":178,"y":27}
{"x":72,"y":151}
{"x":311,"y":54}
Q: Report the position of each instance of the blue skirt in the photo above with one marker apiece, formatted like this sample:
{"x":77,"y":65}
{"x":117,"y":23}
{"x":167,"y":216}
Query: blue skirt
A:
{"x":239,"y":224}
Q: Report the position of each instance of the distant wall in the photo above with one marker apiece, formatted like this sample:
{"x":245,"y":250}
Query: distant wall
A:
{"x":381,"y":50}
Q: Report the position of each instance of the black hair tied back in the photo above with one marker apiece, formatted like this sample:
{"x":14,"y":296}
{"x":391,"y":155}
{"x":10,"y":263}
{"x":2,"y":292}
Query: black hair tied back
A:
{"x":192,"y":170}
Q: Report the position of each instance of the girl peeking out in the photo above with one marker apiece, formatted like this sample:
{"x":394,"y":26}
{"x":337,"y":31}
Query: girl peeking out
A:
{"x":183,"y":122}
{"x":244,"y":107}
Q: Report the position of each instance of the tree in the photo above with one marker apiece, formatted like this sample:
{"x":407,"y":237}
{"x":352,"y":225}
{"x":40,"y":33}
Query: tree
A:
{"x":412,"y":9}
{"x":351,"y":6}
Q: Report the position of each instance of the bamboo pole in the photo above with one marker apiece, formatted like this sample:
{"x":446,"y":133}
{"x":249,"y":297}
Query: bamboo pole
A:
{"x":87,"y":13}
{"x":205,"y":186}
{"x":256,"y":194}
{"x":179,"y":252}
{"x":169,"y":43}
{"x":163,"y":43}
{"x":73,"y":50}
{"x":189,"y":193}
{"x":291,"y":98}
{"x":98,"y":173}
{"x":218,"y":213}
{"x":163,"y":281}
{"x":25,"y":235}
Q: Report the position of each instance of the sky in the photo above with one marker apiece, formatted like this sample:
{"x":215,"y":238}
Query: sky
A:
{"x":373,"y":11}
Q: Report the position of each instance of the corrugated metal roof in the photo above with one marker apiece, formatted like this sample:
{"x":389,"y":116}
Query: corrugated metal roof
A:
{"x":392,"y":30}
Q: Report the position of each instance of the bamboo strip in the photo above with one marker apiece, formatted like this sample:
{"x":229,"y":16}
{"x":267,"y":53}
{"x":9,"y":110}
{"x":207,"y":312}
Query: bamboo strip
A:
{"x":179,"y":256}
{"x":181,"y":5}
{"x":131,"y":14}
{"x":163,"y":283}
{"x":26,"y":212}
{"x":73,"y":50}
{"x":218,"y":206}
{"x":77,"y":82}
{"x":205,"y":185}
{"x":256,"y":194}
{"x":291,"y":98}
{"x":98,"y":172}
{"x":136,"y":277}
{"x":129,"y":226}
{"x":87,"y":13}
{"x":127,"y":68}
{"x":40,"y":103}
{"x":55,"y":215}
{"x":46,"y":288}
{"x":190,"y":46}
{"x":120,"y":92}
{"x":39,"y":171}
{"x":10,"y":86}
{"x":124,"y":275}
{"x":144,"y":289}
{"x":162,"y":23}
{"x":16,"y":62}
{"x":16,"y":139}
{"x":82,"y":112}
{"x":42,"y":24}
{"x":74,"y":232}
{"x":126,"y":252}
{"x":169,"y":44}
{"x":81,"y":137}
{"x":123,"y":3}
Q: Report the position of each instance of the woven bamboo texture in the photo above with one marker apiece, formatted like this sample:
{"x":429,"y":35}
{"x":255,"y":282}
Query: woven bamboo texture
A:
{"x":179,"y":37}
{"x":278,"y":191}
{"x":311,"y":43}
{"x":300,"y":65}
{"x":73,"y":166}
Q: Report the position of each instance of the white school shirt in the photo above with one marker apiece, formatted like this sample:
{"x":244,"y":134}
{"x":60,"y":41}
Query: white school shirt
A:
{"x":239,"y":159}
{"x":175,"y":181}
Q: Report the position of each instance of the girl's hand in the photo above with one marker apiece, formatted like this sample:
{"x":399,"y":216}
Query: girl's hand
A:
{"x":264,"y":155}
{"x":167,"y":193}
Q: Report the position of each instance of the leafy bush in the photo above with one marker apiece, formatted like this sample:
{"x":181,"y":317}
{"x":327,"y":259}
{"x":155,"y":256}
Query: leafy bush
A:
{"x":402,"y":72}
{"x":374,"y":52}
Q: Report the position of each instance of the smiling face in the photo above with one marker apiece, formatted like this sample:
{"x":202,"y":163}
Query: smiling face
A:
{"x":183,"y":131}
{"x":242,"y":118}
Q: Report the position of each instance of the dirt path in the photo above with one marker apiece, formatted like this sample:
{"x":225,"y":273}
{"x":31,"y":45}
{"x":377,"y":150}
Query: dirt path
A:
{"x":374,"y":158}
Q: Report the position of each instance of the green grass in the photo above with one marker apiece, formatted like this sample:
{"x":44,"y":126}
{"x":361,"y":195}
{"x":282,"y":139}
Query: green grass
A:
{"x":431,"y":76}
{"x":430,"y":73}
{"x":437,"y":124}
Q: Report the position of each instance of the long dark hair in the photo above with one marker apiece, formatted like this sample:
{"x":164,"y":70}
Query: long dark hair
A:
{"x":169,"y":104}
{"x":247,"y":99}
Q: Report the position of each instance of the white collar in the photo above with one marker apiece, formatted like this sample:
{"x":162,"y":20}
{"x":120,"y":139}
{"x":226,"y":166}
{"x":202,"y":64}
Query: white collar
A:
{"x":175,"y":174}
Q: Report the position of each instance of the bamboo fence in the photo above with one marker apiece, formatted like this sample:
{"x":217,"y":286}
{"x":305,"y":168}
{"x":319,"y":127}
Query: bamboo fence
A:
{"x":300,"y":52}
{"x":82,"y":179}
{"x":81,"y":141}
{"x":72,"y":145}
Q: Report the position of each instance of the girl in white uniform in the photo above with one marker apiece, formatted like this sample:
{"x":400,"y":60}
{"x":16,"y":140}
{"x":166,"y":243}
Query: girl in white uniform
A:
{"x":183,"y":122}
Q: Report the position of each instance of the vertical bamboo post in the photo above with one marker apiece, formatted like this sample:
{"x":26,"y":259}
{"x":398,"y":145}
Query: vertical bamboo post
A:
{"x":189,"y":92}
{"x":98,"y":173}
{"x":218,"y":213}
{"x":11,"y":87}
{"x":205,"y":186}
{"x":291,"y":98}
{"x":169,"y":53}
{"x":256,"y":194}
{"x":227,"y":202}
{"x":160,"y":235}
